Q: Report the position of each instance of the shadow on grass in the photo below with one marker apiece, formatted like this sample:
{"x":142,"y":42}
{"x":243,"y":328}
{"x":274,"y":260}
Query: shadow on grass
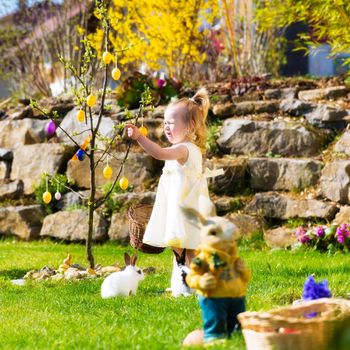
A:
{"x":13,"y":273}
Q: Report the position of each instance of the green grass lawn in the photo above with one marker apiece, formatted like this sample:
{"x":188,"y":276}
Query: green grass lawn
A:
{"x":72,"y":315}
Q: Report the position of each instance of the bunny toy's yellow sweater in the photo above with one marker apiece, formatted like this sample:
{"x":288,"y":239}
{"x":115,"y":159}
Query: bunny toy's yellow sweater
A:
{"x":220,"y":261}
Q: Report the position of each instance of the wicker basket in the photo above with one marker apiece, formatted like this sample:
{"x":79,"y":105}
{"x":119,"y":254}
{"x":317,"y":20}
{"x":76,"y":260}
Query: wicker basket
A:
{"x":138,"y":219}
{"x":308,"y":325}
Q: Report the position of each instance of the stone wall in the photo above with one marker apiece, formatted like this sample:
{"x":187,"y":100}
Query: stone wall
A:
{"x":284,"y":151}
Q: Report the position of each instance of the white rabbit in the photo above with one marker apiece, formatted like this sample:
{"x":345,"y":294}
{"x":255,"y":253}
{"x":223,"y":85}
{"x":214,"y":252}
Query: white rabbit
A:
{"x":178,"y":278}
{"x":123,"y":283}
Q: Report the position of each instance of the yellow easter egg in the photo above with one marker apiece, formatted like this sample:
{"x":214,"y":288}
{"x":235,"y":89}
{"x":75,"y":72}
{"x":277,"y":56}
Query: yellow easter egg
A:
{"x":91,"y":100}
{"x":47,"y":197}
{"x":143,"y":130}
{"x":107,"y":57}
{"x":116,"y":73}
{"x":107,"y":172}
{"x":124,"y":183}
{"x":80,"y":116}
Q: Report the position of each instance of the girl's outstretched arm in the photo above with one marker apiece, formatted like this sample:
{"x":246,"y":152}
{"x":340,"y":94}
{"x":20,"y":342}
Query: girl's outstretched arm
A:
{"x":175,"y":152}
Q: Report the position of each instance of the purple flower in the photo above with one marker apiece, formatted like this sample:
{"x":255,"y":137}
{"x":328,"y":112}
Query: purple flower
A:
{"x":320,"y":231}
{"x":342,"y":232}
{"x":302,"y":235}
{"x":161,"y":83}
{"x":314,"y":290}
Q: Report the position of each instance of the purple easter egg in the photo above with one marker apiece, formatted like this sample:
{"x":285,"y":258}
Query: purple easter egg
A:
{"x":50,"y":128}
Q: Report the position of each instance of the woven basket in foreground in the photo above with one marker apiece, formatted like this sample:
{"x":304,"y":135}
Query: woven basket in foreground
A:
{"x":308,"y":325}
{"x":138,"y":219}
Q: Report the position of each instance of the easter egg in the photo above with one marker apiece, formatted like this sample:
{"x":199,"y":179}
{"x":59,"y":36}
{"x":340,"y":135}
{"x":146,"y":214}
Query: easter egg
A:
{"x":91,"y":100}
{"x":107,"y":172}
{"x":80,"y":116}
{"x":80,"y":154}
{"x":58,"y":195}
{"x":124,"y":183}
{"x":47,"y":197}
{"x":116,"y":73}
{"x":50,"y":128}
{"x":107,"y":57}
{"x":143,"y":130}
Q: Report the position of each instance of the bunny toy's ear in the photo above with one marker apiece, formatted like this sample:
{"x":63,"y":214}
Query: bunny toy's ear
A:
{"x":127,"y":259}
{"x":133,"y":260}
{"x":194,"y":216}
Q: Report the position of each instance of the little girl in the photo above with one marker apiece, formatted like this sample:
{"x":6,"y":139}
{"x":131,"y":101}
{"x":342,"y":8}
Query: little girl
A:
{"x":182,"y":183}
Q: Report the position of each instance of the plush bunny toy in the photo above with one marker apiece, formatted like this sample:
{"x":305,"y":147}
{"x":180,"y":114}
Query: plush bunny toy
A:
{"x":125,"y":282}
{"x":219,"y":277}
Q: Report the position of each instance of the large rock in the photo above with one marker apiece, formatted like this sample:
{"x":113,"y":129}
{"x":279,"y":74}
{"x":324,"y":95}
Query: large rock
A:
{"x":233,"y":179}
{"x":281,"y":237}
{"x":228,"y":109}
{"x":239,"y":136}
{"x":246,"y":224}
{"x":274,"y":205}
{"x":72,"y":126}
{"x":224,"y":110}
{"x":225,"y":204}
{"x":326,"y":116}
{"x":343,"y":144}
{"x":250,"y":107}
{"x":73,"y":226}
{"x":138,"y":169}
{"x":70,"y":200}
{"x":343,"y":216}
{"x":11,"y":190}
{"x":22,"y":132}
{"x":31,"y":161}
{"x":296,"y":107}
{"x":22,"y":221}
{"x":133,"y":198}
{"x":335,"y":181}
{"x":119,"y":229}
{"x":283,"y":173}
{"x":322,"y":94}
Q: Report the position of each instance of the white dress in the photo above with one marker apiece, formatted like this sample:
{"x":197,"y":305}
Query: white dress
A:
{"x":179,"y":186}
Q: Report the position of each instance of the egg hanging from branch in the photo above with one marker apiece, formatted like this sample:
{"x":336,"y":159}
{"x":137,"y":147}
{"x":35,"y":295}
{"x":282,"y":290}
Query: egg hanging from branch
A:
{"x":107,"y":172}
{"x":47,"y":197}
{"x":124,"y":183}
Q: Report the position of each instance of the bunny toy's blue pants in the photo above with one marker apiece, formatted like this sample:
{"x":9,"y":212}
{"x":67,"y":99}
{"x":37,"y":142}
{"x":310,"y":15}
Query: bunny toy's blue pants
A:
{"x":220,"y":316}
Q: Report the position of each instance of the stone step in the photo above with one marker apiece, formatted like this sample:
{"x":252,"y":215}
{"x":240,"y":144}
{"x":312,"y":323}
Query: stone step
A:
{"x":286,"y":174}
{"x":257,"y":138}
{"x":324,"y":93}
{"x":280,"y":206}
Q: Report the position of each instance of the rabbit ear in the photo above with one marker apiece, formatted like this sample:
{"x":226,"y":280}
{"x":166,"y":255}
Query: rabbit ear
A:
{"x":177,"y":256}
{"x":133,"y":260}
{"x":180,"y":259}
{"x":127,"y":259}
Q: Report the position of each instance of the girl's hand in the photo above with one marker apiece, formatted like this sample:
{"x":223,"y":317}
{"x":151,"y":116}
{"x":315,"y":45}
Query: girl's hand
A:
{"x":133,"y":131}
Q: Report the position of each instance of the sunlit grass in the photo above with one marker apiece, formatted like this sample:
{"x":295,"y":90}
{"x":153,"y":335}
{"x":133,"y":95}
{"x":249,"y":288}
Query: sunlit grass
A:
{"x":72,"y":315}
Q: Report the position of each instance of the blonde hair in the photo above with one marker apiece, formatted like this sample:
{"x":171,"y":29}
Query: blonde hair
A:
{"x":195,"y":115}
